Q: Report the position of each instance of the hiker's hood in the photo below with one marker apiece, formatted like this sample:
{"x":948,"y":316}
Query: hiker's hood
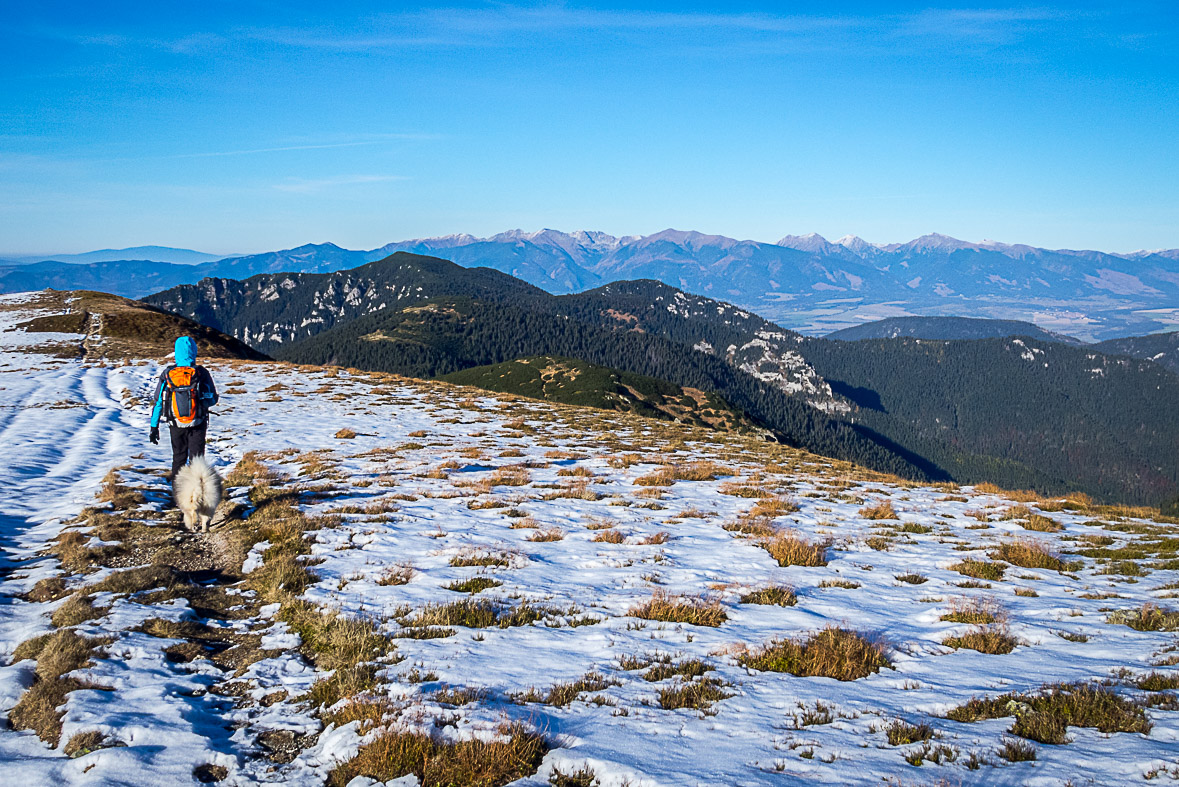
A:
{"x":186,"y":351}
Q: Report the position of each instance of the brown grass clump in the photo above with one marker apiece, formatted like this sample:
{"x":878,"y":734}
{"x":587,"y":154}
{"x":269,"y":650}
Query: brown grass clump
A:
{"x":777,"y":595}
{"x":694,"y":471}
{"x":57,"y":655}
{"x":791,"y":549}
{"x":975,"y":611}
{"x":396,"y":575}
{"x":752,"y":487}
{"x":664,"y":476}
{"x":473,"y":585}
{"x":694,"y":610}
{"x":482,"y":558}
{"x":563,"y":694}
{"x":1042,"y":523}
{"x":1027,"y":553}
{"x":695,"y":694}
{"x":980,"y":569}
{"x":994,"y":640}
{"x":552,"y":534}
{"x":1044,"y":716}
{"x":517,"y":753}
{"x":120,"y":496}
{"x":882,"y":510}
{"x":912,"y":578}
{"x":831,"y":653}
{"x":48,"y":589}
{"x":1018,"y":495}
{"x":662,"y":537}
{"x":773,"y":507}
{"x":77,"y":609}
{"x":845,"y":584}
{"x":510,"y":476}
{"x":82,"y":743}
{"x":345,"y":434}
{"x":755,"y":526}
{"x":250,"y":470}
{"x":901,"y":733}
{"x":482,"y":613}
{"x":1148,"y":617}
{"x":609,"y":537}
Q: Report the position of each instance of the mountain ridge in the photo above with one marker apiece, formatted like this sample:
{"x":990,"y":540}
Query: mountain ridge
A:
{"x":804,"y":283}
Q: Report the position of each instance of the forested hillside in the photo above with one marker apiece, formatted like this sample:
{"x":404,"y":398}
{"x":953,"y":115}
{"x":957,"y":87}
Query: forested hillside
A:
{"x":1021,"y":413}
{"x":947,"y":329}
{"x":1162,"y":348}
{"x":1016,"y":411}
{"x":449,"y":334}
{"x":577,"y":382}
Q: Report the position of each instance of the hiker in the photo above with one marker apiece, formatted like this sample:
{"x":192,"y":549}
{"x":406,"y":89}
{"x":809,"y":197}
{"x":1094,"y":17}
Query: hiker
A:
{"x":184,"y":395}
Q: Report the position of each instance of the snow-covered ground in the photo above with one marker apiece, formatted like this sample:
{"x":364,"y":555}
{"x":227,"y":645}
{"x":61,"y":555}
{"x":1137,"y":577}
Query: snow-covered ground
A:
{"x":423,"y":460}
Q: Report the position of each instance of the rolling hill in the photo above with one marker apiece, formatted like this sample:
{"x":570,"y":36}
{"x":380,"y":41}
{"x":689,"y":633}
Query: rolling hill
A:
{"x":946,"y":329}
{"x":573,"y":381}
{"x":968,"y":410}
{"x":1162,"y":348}
{"x":97,"y":325}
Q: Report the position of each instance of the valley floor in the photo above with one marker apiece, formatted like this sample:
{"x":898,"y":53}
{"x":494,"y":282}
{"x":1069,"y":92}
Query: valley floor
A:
{"x":569,"y":521}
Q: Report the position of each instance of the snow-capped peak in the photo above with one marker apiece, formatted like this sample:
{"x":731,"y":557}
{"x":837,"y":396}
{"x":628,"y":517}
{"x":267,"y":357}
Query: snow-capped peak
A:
{"x":812,"y":241}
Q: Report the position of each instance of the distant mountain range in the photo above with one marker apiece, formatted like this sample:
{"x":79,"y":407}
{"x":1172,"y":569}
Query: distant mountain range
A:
{"x":1017,"y":411}
{"x":804,"y":283}
{"x":148,"y":253}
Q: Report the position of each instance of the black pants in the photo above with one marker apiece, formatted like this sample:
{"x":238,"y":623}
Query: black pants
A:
{"x":187,"y":443}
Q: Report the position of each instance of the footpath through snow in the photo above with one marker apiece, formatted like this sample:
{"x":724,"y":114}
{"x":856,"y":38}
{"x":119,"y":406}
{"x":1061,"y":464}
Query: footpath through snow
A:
{"x":510,"y":551}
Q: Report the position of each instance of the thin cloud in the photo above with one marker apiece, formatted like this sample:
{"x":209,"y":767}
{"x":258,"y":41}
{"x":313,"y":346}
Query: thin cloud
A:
{"x":314,"y":186}
{"x":286,"y":148}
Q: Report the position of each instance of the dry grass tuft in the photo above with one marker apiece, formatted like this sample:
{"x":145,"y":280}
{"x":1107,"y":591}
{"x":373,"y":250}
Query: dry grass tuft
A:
{"x":57,"y":655}
{"x":552,"y":534}
{"x":1148,"y":617}
{"x":510,"y":476}
{"x":1028,"y":553}
{"x":698,"y":695}
{"x":694,"y":610}
{"x":1041,"y":523}
{"x":882,"y":510}
{"x":1044,"y":716}
{"x":515,"y":754}
{"x":980,"y":569}
{"x":482,"y":558}
{"x":975,"y":611}
{"x":396,"y":575}
{"x":993,"y":640}
{"x":609,"y":537}
{"x":563,"y":694}
{"x":48,"y":589}
{"x":901,"y":733}
{"x":831,"y":653}
{"x":473,"y":585}
{"x":778,"y":595}
{"x":791,"y":549}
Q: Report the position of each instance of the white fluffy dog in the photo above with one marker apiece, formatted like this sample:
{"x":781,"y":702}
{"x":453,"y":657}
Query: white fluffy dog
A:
{"x":197,"y":491}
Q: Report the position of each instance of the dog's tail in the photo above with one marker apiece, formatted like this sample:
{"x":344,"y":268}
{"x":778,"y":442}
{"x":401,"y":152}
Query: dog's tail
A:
{"x":198,"y":485}
{"x":210,"y":482}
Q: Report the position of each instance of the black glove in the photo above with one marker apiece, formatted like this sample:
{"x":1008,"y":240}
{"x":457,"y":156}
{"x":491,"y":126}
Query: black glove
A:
{"x":155,"y":435}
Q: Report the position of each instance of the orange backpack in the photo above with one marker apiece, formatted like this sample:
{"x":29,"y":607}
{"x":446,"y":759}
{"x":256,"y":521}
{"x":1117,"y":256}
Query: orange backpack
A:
{"x":184,"y":396}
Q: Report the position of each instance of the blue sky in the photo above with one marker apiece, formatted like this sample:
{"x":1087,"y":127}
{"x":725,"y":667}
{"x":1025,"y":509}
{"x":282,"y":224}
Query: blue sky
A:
{"x":246,"y":126}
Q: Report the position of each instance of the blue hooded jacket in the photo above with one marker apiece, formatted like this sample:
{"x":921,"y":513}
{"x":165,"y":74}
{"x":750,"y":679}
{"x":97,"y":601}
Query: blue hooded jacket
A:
{"x":185,"y":352}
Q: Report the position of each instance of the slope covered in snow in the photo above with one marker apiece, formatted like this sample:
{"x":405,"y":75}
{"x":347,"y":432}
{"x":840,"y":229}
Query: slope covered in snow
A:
{"x":400,"y":557}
